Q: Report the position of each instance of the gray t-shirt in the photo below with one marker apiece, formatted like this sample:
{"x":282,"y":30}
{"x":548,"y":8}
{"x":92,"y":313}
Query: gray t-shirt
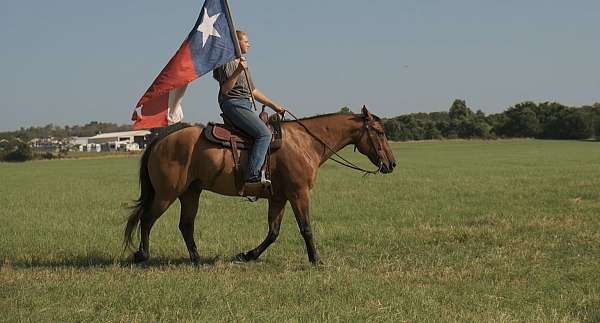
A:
{"x":240,"y":90}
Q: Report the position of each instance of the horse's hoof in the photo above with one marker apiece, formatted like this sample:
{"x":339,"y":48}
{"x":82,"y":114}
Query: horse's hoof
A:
{"x":243,"y":257}
{"x":317,"y":263}
{"x":139,"y":256}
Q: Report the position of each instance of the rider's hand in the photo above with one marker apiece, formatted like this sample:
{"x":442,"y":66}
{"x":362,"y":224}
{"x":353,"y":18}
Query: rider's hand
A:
{"x":279,"y":109}
{"x":242,"y":65}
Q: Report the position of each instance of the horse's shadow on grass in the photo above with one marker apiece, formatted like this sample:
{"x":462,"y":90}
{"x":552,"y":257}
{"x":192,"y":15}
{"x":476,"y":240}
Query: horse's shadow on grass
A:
{"x":91,"y":262}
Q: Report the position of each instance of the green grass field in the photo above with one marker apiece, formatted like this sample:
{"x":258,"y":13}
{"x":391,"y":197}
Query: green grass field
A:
{"x":476,"y":231}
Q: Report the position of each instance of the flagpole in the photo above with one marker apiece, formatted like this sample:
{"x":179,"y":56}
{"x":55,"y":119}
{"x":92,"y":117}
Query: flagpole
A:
{"x":238,"y":51}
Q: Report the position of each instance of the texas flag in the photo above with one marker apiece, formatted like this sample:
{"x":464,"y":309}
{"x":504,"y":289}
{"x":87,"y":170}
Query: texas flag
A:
{"x":211,"y":43}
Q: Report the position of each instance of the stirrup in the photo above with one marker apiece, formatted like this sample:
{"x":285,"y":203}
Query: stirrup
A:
{"x":263,"y":183}
{"x":258,"y":188}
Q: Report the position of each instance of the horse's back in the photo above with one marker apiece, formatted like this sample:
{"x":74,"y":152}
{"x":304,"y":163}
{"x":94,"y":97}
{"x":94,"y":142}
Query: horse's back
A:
{"x":176,"y":146}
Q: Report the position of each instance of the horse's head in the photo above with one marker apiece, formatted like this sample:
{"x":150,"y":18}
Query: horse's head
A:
{"x":373,"y":143}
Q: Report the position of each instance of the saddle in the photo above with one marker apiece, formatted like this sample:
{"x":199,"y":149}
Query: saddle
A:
{"x":228,"y":136}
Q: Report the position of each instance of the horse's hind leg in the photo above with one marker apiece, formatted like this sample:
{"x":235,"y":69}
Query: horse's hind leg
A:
{"x":190,"y":200}
{"x":159,"y":206}
{"x":276,"y":209}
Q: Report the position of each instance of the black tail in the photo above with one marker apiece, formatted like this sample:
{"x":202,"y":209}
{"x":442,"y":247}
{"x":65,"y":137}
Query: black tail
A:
{"x":143,"y":203}
{"x":147,"y":192}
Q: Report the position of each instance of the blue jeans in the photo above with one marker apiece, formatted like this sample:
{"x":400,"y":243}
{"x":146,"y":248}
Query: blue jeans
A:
{"x":240,"y":113}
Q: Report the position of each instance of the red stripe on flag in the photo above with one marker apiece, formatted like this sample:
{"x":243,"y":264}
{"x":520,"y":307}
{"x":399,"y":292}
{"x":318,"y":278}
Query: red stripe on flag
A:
{"x":154,"y":113}
{"x":179,"y":71}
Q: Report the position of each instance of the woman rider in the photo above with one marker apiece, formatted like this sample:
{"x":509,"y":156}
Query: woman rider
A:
{"x":235,"y":100}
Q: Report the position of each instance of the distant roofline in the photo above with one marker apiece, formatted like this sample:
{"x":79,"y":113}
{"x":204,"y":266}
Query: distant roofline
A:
{"x":121,"y":134}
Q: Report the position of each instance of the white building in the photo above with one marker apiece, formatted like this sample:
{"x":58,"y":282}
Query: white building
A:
{"x":49,"y":144}
{"x":118,"y":141}
{"x":79,"y":141}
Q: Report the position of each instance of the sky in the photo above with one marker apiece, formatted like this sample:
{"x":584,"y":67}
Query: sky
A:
{"x":70,"y":62}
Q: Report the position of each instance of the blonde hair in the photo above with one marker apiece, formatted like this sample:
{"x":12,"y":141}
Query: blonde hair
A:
{"x":240,"y":34}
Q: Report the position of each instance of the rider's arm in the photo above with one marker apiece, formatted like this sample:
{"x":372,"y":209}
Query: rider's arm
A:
{"x":260,"y":97}
{"x":230,"y":82}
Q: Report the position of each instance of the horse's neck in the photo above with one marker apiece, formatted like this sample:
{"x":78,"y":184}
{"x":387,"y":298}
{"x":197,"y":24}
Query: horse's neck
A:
{"x":334,"y":131}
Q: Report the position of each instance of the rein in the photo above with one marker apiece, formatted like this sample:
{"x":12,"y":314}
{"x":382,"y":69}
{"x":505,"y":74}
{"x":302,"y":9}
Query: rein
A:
{"x":344,"y":161}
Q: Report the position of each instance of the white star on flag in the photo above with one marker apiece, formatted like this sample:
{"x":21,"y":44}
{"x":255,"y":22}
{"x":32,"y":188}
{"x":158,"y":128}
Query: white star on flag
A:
{"x":207,"y":27}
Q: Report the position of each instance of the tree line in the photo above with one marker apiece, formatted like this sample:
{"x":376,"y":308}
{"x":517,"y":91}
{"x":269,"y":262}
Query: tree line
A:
{"x":50,"y":130}
{"x":547,"y":120}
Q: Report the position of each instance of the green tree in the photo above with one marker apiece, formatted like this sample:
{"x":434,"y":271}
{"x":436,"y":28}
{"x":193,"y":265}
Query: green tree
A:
{"x":496,"y":122}
{"x":596,"y":120}
{"x":521,"y":121}
{"x":392,"y":129}
{"x":562,"y":122}
{"x":345,"y":110}
{"x":460,"y":110}
{"x":21,"y":152}
{"x":431,"y":131}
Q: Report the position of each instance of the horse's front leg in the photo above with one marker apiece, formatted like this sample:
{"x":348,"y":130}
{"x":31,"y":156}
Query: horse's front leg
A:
{"x":301,"y":204}
{"x":276,"y":209}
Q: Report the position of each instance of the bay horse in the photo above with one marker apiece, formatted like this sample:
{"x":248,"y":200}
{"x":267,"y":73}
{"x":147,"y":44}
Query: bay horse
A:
{"x":184,"y":163}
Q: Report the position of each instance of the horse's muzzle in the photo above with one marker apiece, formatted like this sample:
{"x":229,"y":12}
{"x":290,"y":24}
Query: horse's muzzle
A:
{"x":387,"y":168}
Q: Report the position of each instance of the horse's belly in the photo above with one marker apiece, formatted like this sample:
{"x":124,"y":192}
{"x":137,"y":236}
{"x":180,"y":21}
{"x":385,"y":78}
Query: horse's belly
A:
{"x":224,"y":185}
{"x":215,"y":172}
{"x":214,"y":168}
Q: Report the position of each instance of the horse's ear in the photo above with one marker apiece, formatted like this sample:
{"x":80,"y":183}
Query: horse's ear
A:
{"x":366,"y":112}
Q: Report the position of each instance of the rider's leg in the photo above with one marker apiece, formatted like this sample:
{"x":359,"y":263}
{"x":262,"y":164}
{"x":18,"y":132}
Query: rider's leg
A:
{"x":240,"y":113}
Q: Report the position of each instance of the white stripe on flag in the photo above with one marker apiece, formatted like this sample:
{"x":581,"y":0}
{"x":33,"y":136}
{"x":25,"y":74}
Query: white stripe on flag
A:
{"x":175,"y":112}
{"x":138,"y":111}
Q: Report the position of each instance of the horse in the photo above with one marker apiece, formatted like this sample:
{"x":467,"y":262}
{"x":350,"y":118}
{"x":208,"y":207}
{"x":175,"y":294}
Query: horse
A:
{"x":183,"y":163}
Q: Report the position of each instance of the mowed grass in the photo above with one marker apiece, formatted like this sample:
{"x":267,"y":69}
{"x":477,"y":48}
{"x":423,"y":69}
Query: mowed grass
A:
{"x":480,"y":231}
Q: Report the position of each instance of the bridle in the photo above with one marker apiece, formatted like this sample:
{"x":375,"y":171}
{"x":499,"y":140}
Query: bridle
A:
{"x":375,"y":144}
{"x":368,"y":127}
